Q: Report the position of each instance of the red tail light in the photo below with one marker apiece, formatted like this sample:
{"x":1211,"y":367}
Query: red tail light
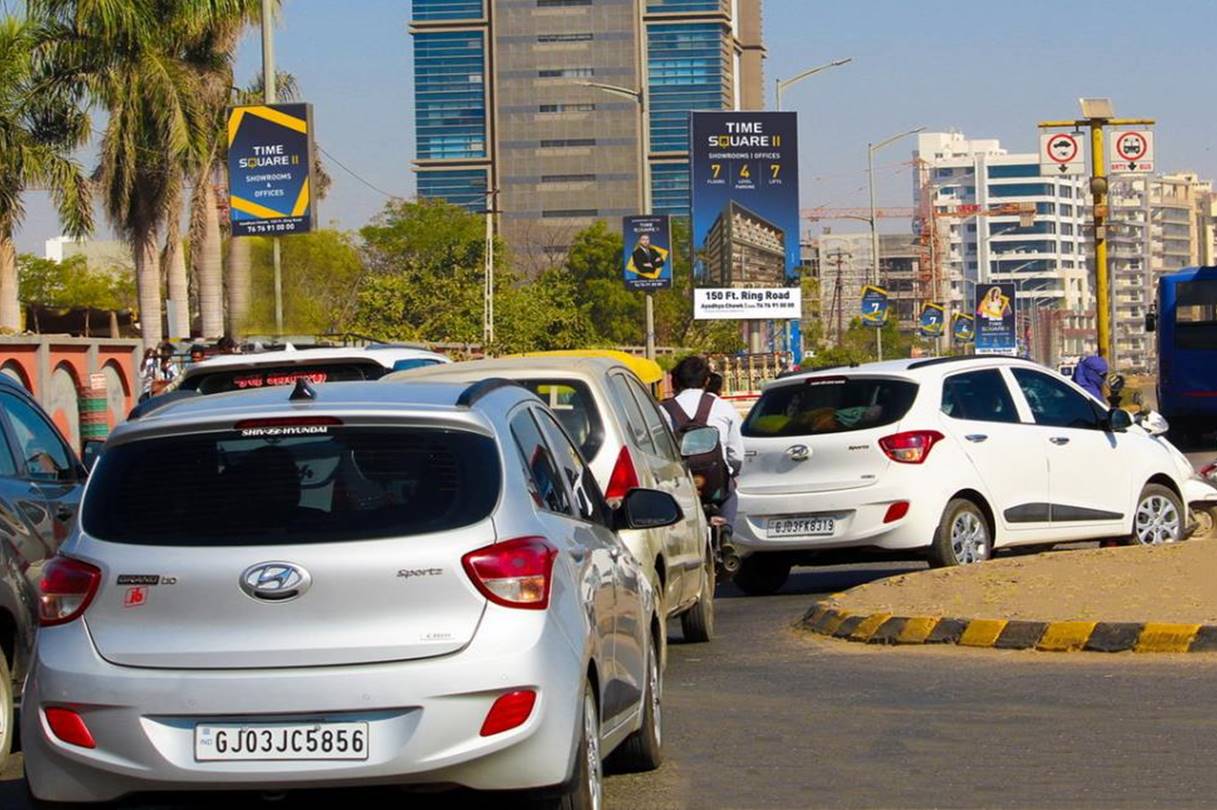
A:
{"x":514,"y":573}
{"x":624,"y":477}
{"x":1209,"y":470}
{"x":70,"y":727}
{"x":509,"y":711}
{"x":911,"y":447}
{"x":66,"y":589}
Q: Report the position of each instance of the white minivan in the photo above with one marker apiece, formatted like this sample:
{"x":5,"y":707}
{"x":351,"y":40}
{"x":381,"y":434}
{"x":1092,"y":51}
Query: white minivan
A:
{"x":948,"y":458}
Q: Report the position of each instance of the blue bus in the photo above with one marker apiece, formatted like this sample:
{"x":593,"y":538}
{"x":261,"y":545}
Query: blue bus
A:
{"x":1186,"y":324}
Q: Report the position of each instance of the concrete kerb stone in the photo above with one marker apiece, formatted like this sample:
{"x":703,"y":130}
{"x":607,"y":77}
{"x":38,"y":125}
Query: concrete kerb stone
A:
{"x":1009,"y":634}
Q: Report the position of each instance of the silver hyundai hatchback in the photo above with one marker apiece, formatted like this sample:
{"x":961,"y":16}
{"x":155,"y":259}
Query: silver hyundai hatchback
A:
{"x":357,"y":584}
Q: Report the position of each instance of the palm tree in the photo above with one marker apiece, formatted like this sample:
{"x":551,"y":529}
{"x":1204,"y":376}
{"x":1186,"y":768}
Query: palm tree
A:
{"x":140,"y":60}
{"x":37,"y":134}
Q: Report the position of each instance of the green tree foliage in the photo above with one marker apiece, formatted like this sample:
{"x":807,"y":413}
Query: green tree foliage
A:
{"x":858,"y":345}
{"x":425,"y":282}
{"x":618,"y":314}
{"x":70,"y":284}
{"x":321,"y":271}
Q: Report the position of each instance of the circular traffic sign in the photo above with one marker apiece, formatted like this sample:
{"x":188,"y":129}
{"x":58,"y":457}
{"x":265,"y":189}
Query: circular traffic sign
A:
{"x":1132,"y":146}
{"x":1062,"y":148}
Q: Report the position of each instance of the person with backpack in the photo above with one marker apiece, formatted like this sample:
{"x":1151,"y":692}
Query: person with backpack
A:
{"x":694,"y":407}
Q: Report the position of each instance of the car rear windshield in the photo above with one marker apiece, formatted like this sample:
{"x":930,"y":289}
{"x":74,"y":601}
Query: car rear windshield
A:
{"x":283,"y":486}
{"x":571,"y":401}
{"x":217,"y":382}
{"x":829,"y":405}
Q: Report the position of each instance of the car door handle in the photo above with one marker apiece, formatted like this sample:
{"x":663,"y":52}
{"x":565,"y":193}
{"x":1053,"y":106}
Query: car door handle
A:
{"x":976,"y":437}
{"x":1059,"y":440}
{"x":577,"y":554}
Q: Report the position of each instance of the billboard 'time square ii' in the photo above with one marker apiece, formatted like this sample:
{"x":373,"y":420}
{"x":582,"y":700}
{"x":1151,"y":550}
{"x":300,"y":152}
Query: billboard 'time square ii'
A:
{"x":745,"y":215}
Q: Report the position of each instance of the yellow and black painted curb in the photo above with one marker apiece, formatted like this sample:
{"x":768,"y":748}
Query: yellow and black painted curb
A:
{"x":1010,"y":634}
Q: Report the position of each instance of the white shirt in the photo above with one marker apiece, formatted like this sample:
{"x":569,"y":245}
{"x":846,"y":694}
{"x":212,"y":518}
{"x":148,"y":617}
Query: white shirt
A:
{"x":723,"y":417}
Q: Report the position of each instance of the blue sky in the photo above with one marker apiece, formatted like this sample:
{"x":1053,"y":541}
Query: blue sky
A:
{"x":988,"y":69}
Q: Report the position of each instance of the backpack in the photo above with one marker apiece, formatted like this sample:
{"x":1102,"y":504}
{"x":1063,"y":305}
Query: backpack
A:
{"x":709,"y":469}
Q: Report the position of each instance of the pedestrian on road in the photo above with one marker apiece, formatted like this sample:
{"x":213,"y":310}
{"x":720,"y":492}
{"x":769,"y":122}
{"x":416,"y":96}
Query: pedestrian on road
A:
{"x":147,"y":373}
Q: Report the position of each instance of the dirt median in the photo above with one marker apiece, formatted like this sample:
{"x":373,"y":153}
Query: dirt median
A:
{"x":1175,"y":583}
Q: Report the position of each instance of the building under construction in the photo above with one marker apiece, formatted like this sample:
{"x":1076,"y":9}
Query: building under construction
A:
{"x":742,"y":249}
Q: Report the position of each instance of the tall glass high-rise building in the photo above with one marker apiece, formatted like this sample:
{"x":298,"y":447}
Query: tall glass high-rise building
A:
{"x":502,"y":102}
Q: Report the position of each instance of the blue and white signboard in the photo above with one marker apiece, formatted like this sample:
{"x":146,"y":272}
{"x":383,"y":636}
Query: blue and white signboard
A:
{"x":932,"y":321}
{"x":963,"y":328}
{"x":270,"y":162}
{"x":874,"y":306}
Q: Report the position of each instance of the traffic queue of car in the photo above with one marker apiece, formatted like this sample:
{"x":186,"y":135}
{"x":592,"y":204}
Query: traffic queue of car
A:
{"x":461,"y":574}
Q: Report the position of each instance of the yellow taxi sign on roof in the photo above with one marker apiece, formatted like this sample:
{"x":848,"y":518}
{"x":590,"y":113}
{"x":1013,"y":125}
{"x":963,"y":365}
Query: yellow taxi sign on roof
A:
{"x":646,"y":370}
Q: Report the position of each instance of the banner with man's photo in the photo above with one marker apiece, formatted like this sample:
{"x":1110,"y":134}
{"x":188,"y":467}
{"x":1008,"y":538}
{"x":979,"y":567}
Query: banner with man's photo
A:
{"x":745,"y":200}
{"x":648,"y":253}
{"x":994,"y":310}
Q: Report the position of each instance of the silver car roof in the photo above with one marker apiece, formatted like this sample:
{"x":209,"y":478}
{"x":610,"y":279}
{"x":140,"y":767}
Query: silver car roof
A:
{"x":439,"y":400}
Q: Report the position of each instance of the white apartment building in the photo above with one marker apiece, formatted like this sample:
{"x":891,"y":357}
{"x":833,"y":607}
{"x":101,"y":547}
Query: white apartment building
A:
{"x":1049,"y":260}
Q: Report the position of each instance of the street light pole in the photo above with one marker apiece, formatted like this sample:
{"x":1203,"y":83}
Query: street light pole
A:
{"x":640,"y":97}
{"x":871,"y":149}
{"x":269,"y":95}
{"x":794,"y":337}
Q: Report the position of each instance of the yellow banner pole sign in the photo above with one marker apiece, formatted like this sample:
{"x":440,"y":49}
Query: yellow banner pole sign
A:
{"x":270,"y":164}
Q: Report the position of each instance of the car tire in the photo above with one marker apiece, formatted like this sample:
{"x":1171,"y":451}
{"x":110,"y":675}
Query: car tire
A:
{"x":585,"y":791}
{"x":8,"y":712}
{"x":1158,"y":517}
{"x":963,"y":536}
{"x":643,"y":750}
{"x":697,"y":623}
{"x":762,"y":574}
{"x":1206,"y":523}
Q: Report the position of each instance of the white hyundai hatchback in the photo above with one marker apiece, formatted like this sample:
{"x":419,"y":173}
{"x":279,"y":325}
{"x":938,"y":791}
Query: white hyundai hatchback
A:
{"x":948,"y":458}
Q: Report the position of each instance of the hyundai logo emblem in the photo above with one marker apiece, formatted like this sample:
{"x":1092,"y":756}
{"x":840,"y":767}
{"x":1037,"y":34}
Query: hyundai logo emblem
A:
{"x":800,"y":452}
{"x":275,"y":581}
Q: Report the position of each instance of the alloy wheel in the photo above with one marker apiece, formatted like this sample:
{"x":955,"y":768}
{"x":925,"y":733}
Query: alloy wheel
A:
{"x":595,"y":768}
{"x":1157,"y":521}
{"x":969,"y":538}
{"x":656,"y":698}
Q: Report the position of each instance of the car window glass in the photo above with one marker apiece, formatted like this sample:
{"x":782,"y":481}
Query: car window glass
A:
{"x":38,"y":443}
{"x":572,"y":402}
{"x":8,"y":468}
{"x":661,"y":436}
{"x":836,"y":404}
{"x":336,"y":484}
{"x":978,"y":395}
{"x":548,"y":490}
{"x":589,"y":503}
{"x":1054,"y":403}
{"x":635,"y":424}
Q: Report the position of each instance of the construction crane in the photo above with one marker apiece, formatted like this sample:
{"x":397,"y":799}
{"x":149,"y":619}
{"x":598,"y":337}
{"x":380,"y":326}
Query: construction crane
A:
{"x":817,"y":214}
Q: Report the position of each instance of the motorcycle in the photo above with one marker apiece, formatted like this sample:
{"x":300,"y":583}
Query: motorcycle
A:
{"x":1199,"y":488}
{"x":727,"y":559}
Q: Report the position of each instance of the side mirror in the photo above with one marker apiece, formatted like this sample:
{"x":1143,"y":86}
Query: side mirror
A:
{"x":1118,"y":420}
{"x":1151,"y":322}
{"x":698,"y":441}
{"x":1153,"y":423}
{"x":647,"y":509}
{"x":90,"y":451}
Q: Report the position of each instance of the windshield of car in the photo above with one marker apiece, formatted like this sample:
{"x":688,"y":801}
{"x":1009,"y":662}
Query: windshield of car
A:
{"x":268,"y":486}
{"x":221,"y":380}
{"x":571,"y":401}
{"x":829,"y":405}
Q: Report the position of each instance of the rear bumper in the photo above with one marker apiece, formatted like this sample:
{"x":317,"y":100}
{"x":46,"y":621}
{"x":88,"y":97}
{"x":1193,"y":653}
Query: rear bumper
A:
{"x":859,"y":515}
{"x":424,"y":717}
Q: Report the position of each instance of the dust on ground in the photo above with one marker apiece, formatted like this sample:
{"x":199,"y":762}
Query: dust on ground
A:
{"x":1172,"y":583}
